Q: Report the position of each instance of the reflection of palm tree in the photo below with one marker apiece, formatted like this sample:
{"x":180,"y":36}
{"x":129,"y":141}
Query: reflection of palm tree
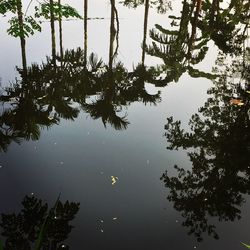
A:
{"x":85,"y":30}
{"x":22,"y":34}
{"x":52,"y":26}
{"x":220,"y":173}
{"x":23,"y":229}
{"x":114,"y":33}
{"x":49,"y":93}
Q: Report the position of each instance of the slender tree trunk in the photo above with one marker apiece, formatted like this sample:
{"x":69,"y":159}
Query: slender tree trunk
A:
{"x":112,"y":34}
{"x":194,"y":26}
{"x":22,"y":36}
{"x":145,"y":31}
{"x":52,"y":26}
{"x":212,"y":13}
{"x":60,"y":29}
{"x":85,"y":31}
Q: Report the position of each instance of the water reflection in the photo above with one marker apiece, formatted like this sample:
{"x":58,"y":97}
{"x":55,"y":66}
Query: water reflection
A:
{"x":181,"y":48}
{"x":46,"y":94}
{"x":218,"y":147}
{"x":37,"y":224}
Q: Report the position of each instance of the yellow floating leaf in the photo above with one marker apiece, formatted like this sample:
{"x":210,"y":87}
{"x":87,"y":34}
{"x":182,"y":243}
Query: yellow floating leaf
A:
{"x":114,"y":179}
{"x":236,"y":102}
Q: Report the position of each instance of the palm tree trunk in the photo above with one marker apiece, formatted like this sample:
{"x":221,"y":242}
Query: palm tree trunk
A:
{"x":52,"y":26}
{"x":60,"y":29}
{"x":145,"y":31}
{"x":112,"y":34}
{"x":22,"y":35}
{"x":85,"y":31}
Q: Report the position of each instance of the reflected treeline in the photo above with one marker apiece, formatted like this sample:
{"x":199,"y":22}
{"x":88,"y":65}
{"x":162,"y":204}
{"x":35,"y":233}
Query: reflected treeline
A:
{"x":218,"y":146}
{"x":48,"y":94}
{"x":186,"y":44}
{"x":37,"y":226}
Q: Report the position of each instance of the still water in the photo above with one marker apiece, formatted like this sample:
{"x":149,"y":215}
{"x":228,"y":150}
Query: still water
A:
{"x":150,"y":154}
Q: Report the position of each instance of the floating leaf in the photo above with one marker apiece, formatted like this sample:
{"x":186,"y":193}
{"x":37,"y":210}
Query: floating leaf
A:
{"x":114,"y":179}
{"x":236,"y":102}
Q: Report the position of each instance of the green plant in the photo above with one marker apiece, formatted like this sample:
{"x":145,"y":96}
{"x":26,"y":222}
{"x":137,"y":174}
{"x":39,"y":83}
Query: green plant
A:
{"x":59,"y":11}
{"x":247,"y":246}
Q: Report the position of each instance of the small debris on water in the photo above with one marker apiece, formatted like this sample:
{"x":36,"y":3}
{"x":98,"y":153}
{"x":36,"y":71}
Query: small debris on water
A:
{"x":114,"y":179}
{"x":115,"y":218}
{"x":176,"y":221}
{"x":55,"y":143}
{"x":32,"y":194}
{"x":61,"y":162}
{"x":147,"y":162}
{"x":102,"y":230}
{"x":205,"y":199}
{"x":101,"y":221}
{"x":1,"y":166}
{"x":195,"y":247}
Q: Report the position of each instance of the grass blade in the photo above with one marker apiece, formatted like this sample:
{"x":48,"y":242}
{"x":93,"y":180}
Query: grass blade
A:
{"x":44,"y":227}
{"x":1,"y":245}
{"x":247,"y":246}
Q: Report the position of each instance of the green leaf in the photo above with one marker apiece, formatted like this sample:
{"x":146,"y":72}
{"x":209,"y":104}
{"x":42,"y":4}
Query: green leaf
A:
{"x":58,"y":10}
{"x":247,"y":246}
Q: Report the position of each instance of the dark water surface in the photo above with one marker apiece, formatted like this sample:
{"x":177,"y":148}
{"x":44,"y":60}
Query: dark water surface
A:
{"x":156,"y":156}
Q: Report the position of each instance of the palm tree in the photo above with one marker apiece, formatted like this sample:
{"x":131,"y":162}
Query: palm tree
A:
{"x":52,"y":26}
{"x":85,"y":30}
{"x":22,"y":35}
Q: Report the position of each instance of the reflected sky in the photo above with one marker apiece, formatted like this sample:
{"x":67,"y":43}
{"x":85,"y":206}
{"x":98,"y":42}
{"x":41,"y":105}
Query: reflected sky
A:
{"x":78,"y":128}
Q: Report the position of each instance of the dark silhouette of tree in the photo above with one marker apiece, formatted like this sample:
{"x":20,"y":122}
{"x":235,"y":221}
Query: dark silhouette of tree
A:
{"x":47,"y":94}
{"x":179,"y":49}
{"x":218,"y":147}
{"x":21,"y":231}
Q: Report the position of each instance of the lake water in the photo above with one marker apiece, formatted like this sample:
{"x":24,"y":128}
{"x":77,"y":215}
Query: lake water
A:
{"x":105,"y":138}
